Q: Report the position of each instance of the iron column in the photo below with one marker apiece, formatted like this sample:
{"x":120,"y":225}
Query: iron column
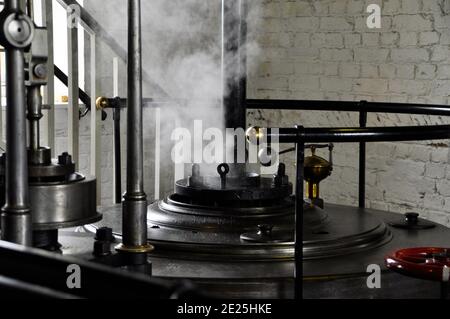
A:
{"x":134,"y":205}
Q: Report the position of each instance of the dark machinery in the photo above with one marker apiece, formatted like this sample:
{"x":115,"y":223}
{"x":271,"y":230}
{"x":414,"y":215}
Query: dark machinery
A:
{"x":60,"y":196}
{"x":236,"y":233}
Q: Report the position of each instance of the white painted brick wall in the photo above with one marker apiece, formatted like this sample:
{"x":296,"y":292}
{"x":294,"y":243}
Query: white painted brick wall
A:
{"x":335,"y":56}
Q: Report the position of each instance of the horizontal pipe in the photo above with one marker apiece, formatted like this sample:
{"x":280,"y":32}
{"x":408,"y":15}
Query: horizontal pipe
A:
{"x":350,"y":106}
{"x":351,"y":135}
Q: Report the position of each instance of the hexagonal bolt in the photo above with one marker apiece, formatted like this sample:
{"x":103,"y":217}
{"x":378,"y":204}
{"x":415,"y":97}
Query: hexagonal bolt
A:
{"x":65,"y":159}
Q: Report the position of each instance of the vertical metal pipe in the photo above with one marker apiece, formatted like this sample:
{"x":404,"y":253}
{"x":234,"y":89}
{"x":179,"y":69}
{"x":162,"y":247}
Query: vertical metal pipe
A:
{"x":135,"y":199}
{"x":73,"y":113}
{"x":16,"y":218}
{"x":95,"y":118}
{"x":117,"y":156}
{"x":234,"y":33}
{"x":362,"y":159}
{"x":298,"y":253}
{"x":49,"y":90}
{"x":117,"y":139}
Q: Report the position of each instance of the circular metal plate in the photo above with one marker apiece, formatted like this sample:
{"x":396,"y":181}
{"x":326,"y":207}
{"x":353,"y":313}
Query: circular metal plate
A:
{"x":346,"y":230}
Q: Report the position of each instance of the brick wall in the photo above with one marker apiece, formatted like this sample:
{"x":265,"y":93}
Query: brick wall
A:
{"x":323,"y":49}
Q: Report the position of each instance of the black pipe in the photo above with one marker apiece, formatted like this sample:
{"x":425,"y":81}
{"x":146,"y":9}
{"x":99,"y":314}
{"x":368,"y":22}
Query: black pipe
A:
{"x":234,"y":31}
{"x":298,"y":250}
{"x":353,"y":134}
{"x":347,"y":106}
{"x":362,"y":159}
{"x":117,"y":157}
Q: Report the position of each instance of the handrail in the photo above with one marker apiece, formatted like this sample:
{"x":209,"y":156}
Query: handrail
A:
{"x":88,"y":21}
{"x":352,"y":134}
{"x":350,"y":106}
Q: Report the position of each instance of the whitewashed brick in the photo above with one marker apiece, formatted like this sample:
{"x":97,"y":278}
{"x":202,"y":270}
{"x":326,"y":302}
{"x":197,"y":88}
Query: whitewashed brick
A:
{"x":408,"y":86}
{"x":387,"y":71}
{"x":377,"y":86}
{"x":405,"y":71}
{"x":408,"y":39}
{"x":302,"y":40}
{"x":352,"y":40}
{"x":440,"y":54}
{"x":303,"y":24}
{"x":335,"y":24}
{"x":304,"y":84}
{"x":336,"y":84}
{"x":337,"y":7}
{"x":442,"y":88}
{"x":435,"y":170}
{"x":371,"y":55}
{"x":336,"y":55}
{"x":389,"y":38}
{"x":302,"y":8}
{"x":391,"y":6}
{"x":356,"y":7}
{"x":428,"y":38}
{"x":327,"y":40}
{"x":331,"y":69}
{"x":426,"y":71}
{"x":410,"y":55}
{"x":350,"y":70}
{"x":411,"y":6}
{"x":412,"y":23}
{"x":371,"y":39}
{"x":443,"y":72}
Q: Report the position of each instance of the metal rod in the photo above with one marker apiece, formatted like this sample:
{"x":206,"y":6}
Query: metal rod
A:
{"x":117,"y":157}
{"x":16,"y":217}
{"x":49,"y":90}
{"x":362,"y":160}
{"x":345,"y":106}
{"x":73,"y":115}
{"x":34,"y":114}
{"x":135,"y":199}
{"x":357,"y":134}
{"x":300,"y":158}
{"x":96,"y":116}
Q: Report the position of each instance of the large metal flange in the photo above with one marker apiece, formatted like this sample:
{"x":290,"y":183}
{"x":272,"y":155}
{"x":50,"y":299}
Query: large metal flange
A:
{"x":17,"y":30}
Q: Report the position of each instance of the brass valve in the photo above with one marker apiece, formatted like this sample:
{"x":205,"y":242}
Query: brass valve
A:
{"x":101,"y":103}
{"x":316,"y":169}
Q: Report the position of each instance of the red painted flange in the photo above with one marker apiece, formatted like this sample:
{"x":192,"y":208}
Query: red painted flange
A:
{"x":428,"y":263}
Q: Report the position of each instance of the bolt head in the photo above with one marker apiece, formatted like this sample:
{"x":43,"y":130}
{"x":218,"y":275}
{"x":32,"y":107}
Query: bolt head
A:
{"x":40,"y":71}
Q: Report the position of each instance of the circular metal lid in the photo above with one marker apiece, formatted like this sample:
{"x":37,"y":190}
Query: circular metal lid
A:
{"x":343,"y":230}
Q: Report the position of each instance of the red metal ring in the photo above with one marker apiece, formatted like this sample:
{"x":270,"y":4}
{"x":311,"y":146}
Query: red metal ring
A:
{"x":430,"y":263}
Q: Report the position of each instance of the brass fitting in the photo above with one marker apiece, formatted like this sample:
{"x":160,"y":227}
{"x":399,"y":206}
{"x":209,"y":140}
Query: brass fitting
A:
{"x":101,"y":103}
